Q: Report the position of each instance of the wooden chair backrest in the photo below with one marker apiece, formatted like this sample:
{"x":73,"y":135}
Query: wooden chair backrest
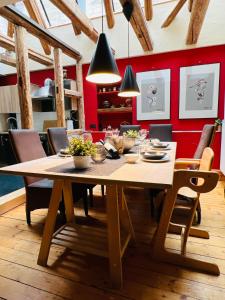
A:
{"x":206,"y":159}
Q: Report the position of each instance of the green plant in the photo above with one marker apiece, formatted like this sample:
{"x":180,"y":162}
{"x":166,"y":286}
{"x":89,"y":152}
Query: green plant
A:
{"x":79,"y":147}
{"x":218,"y":122}
{"x":131,"y":133}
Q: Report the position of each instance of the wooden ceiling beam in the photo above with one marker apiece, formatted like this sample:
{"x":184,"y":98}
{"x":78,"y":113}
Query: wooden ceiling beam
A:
{"x":7,"y":2}
{"x":139,"y":25}
{"x":190,"y":3}
{"x":198,"y":13}
{"x":109,"y":13}
{"x":9,"y":44}
{"x":35,"y":14}
{"x":174,"y":13}
{"x":72,"y":10}
{"x":7,"y":60}
{"x":148,"y":9}
{"x":13,"y":15}
{"x":10,"y":29}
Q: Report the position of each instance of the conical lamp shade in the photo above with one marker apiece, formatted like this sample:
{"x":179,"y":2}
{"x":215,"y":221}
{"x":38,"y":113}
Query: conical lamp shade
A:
{"x":129,"y":87}
{"x":103,"y":68}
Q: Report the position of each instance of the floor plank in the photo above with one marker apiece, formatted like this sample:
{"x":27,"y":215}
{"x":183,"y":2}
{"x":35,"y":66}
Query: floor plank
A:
{"x":74,"y":275}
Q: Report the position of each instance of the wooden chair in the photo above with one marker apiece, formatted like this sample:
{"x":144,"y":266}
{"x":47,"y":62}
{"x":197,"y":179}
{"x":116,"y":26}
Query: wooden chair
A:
{"x":203,"y":164}
{"x":187,"y":197}
{"x":57,"y":137}
{"x":27,"y":146}
{"x":163,"y":132}
{"x":205,"y":182}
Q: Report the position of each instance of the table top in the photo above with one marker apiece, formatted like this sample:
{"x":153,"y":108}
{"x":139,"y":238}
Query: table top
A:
{"x":140,"y":174}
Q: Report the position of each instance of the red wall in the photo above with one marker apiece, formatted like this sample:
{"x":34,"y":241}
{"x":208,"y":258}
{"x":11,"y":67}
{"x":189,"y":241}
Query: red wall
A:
{"x":187,"y":141}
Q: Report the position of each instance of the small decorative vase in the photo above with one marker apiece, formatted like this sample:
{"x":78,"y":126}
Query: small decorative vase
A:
{"x":81,"y":162}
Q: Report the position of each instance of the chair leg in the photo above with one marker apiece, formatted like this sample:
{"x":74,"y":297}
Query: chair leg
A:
{"x":199,"y":214}
{"x":91,"y":197}
{"x":28,"y":216}
{"x":62,"y":212}
{"x":103,"y":190}
{"x":85,"y":202}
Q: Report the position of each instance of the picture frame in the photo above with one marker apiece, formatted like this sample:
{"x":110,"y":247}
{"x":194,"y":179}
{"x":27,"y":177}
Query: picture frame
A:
{"x":154,"y":101}
{"x":199,"y":91}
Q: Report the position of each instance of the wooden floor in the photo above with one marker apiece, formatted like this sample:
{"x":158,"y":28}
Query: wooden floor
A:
{"x":80,"y":276}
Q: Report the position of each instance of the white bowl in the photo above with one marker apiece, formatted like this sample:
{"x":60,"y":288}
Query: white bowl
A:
{"x":131,"y":158}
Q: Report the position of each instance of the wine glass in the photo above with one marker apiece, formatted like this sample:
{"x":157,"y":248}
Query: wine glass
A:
{"x":142,"y":135}
{"x":87,"y":136}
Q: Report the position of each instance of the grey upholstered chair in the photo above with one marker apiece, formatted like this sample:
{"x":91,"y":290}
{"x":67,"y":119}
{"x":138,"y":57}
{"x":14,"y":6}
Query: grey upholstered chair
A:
{"x":163,"y":132}
{"x":27,"y":146}
{"x":125,"y":128}
{"x":58,"y":139}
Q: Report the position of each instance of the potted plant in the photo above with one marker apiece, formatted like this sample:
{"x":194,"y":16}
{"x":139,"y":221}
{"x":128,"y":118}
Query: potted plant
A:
{"x":218,"y":123}
{"x":81,"y":151}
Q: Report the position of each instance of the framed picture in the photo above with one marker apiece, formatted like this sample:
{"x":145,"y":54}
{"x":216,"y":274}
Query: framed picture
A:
{"x":154,"y":101}
{"x":199,"y":91}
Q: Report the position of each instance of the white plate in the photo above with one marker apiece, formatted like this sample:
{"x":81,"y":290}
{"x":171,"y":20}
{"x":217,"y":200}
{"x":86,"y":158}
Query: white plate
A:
{"x":160,"y":149}
{"x":64,"y":155}
{"x":164,"y":159}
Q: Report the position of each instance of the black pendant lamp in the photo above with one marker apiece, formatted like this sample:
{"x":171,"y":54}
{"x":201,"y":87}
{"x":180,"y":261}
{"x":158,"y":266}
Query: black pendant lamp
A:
{"x":103,"y":68}
{"x":129,"y":87}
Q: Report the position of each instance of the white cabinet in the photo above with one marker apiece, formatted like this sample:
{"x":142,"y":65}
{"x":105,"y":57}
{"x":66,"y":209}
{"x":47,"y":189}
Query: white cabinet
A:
{"x":9,"y":98}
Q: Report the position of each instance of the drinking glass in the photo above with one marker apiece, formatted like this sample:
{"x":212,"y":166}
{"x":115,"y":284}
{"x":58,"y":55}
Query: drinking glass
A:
{"x":142,"y":135}
{"x":100,"y":154}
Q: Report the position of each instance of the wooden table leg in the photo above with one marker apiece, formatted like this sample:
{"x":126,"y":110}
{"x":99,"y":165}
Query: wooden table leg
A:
{"x":114,"y":244}
{"x":50,"y":222}
{"x":68,"y":200}
{"x":125,"y":218}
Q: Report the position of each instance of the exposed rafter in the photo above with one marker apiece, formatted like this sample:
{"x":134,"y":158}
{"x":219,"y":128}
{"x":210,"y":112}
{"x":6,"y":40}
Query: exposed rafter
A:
{"x":7,"y":2}
{"x":190,"y":3}
{"x":16,"y":17}
{"x":10,"y":29}
{"x":174,"y":13}
{"x":7,"y":60}
{"x":148,"y":10}
{"x":35,"y":14}
{"x":9,"y":44}
{"x":72,"y":10}
{"x":139,"y":25}
{"x":109,"y":13}
{"x":198,"y":13}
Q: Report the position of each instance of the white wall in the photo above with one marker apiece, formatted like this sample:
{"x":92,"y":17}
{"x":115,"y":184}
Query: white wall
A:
{"x":165,"y":40}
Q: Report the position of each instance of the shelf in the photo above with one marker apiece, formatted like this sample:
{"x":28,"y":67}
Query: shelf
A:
{"x":114,"y":110}
{"x":107,"y":93}
{"x":87,"y":239}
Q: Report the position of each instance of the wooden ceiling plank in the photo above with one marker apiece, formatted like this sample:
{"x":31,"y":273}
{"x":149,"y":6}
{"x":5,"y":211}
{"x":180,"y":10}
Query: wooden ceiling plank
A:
{"x":148,"y":10}
{"x":76,"y":29}
{"x":72,"y":10}
{"x":198,"y":13}
{"x":109,"y":13}
{"x":174,"y":13}
{"x":35,"y":14}
{"x":139,"y":25}
{"x":7,"y":60}
{"x":13,"y":15}
{"x":9,"y":44}
{"x":7,"y":2}
{"x":190,"y":4}
{"x":10,"y":29}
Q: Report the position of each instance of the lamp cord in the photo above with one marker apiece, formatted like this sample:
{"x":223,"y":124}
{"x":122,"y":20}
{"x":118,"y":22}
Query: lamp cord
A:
{"x":128,"y":38}
{"x":102,"y":16}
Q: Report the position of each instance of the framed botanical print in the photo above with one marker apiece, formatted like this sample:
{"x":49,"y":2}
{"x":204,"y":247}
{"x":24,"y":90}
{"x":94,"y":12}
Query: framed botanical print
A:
{"x":199,"y":91}
{"x":154,"y":101}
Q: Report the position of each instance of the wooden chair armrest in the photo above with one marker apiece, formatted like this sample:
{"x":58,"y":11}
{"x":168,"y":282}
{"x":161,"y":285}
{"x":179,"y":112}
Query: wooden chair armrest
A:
{"x":184,"y":163}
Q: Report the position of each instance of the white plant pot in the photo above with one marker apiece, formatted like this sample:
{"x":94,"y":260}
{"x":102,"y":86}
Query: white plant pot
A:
{"x":81,"y":162}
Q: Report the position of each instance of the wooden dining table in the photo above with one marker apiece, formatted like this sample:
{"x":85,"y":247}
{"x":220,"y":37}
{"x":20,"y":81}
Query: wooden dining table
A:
{"x":115,"y":175}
